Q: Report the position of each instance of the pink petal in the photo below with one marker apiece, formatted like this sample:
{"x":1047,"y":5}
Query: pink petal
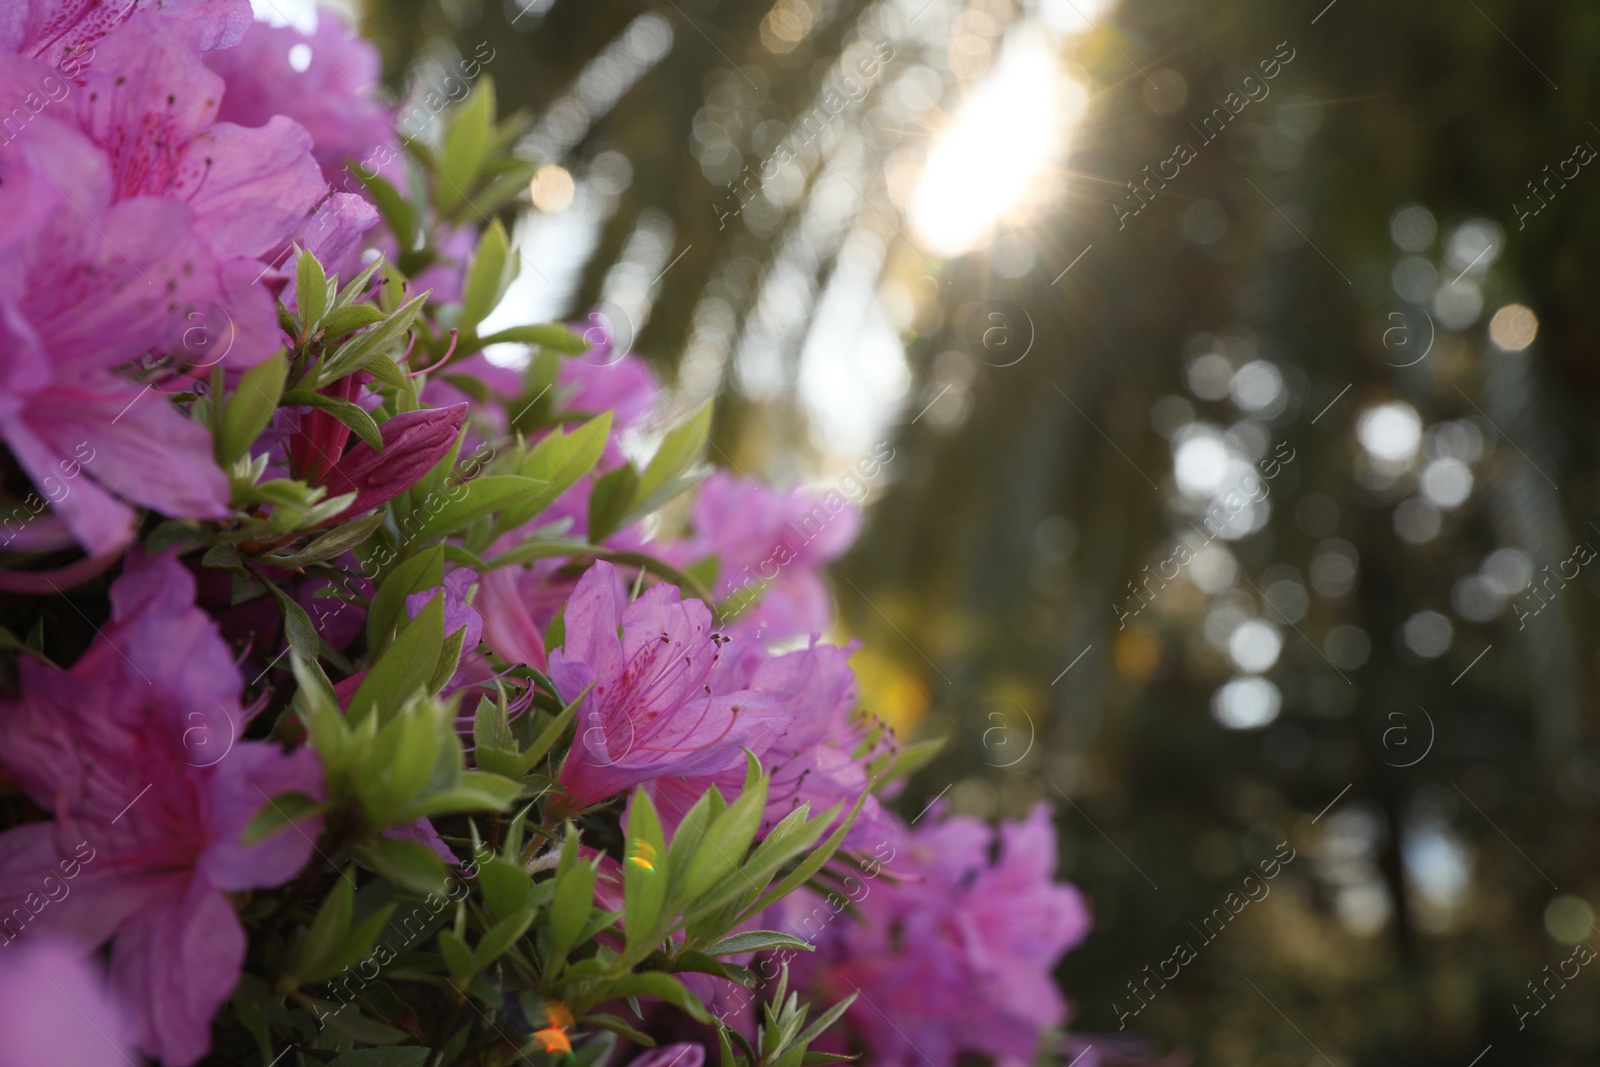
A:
{"x":175,"y":963}
{"x":59,"y":1010}
{"x":249,"y":188}
{"x":247,"y":779}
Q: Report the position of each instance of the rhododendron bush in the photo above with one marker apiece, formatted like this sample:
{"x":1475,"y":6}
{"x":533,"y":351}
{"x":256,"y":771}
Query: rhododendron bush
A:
{"x":352,"y":713}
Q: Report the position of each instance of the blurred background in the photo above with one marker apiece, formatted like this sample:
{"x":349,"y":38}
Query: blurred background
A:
{"x":1235,"y":361}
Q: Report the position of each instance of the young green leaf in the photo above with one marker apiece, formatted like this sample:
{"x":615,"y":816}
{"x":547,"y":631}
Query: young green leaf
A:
{"x":549,"y":335}
{"x":465,"y":145}
{"x":310,"y":290}
{"x":278,"y":814}
{"x":611,"y":501}
{"x":422,"y":571}
{"x":487,"y":277}
{"x":491,"y":492}
{"x":403,"y":667}
{"x":250,"y":408}
{"x":679,"y":450}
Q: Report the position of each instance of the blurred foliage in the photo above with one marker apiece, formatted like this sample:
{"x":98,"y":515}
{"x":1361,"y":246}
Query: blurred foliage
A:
{"x":1012,"y":530}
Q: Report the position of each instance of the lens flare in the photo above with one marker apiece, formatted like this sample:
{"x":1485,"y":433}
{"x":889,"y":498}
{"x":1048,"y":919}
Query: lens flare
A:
{"x":1012,"y":128}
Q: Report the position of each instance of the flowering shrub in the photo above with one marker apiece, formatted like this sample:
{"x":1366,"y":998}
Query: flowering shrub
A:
{"x":347,"y":703}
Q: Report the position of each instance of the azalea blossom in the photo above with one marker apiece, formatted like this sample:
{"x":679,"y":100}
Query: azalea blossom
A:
{"x":816,"y":760}
{"x":135,"y":751}
{"x":957,"y":949}
{"x":649,"y":709}
{"x":770,"y":547}
{"x":89,"y":285}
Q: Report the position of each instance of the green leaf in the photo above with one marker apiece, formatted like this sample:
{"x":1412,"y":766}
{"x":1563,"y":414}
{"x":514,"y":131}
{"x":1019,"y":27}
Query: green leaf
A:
{"x":423,"y":571}
{"x":550,"y":335}
{"x":359,"y":944}
{"x":399,"y":762}
{"x":491,"y":492}
{"x":727,"y":839}
{"x":278,"y":814}
{"x":507,"y":763}
{"x":343,"y":320}
{"x":661,"y":986}
{"x":456,"y":956}
{"x":356,"y":288}
{"x":823,"y":1021}
{"x":821,"y":1059}
{"x":680,"y":450}
{"x":335,"y":542}
{"x":907,"y":761}
{"x":500,"y":937}
{"x":487,"y":278}
{"x":353,"y":1024}
{"x":361,"y":349}
{"x":618,"y":1025}
{"x":351,"y":414}
{"x":569,"y":908}
{"x":328,"y":932}
{"x":403,"y":667}
{"x":550,"y":734}
{"x":559,"y":460}
{"x":490,"y":728}
{"x":504,"y":885}
{"x":408,"y":865}
{"x":757,"y":941}
{"x":644,"y":872}
{"x":297,"y":628}
{"x":396,"y":209}
{"x":251,"y":407}
{"x":310,"y":290}
{"x":497,"y":193}
{"x":611,"y":500}
{"x":465,"y":145}
{"x":807,"y":867}
{"x":478,"y":791}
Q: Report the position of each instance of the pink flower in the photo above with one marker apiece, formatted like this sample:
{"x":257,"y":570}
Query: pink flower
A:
{"x":814,"y":761}
{"x":151,"y":104}
{"x":65,"y":33}
{"x":762,"y":535}
{"x":650,"y":710}
{"x":333,"y":93}
{"x":958,"y":950}
{"x":135,"y":751}
{"x":58,"y":1010}
{"x":90,"y":286}
{"x":601,"y":380}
